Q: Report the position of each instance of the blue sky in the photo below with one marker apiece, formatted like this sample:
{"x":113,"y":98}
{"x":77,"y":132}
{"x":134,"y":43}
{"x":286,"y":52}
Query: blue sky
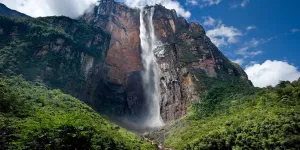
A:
{"x":274,"y":25}
{"x":263,"y":36}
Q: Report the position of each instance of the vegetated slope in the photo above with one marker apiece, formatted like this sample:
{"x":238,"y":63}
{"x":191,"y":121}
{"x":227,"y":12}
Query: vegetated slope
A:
{"x":61,"y":52}
{"x":239,"y":117}
{"x":33,"y":117}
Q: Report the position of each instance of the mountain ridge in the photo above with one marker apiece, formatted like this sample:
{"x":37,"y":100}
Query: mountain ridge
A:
{"x":4,"y":10}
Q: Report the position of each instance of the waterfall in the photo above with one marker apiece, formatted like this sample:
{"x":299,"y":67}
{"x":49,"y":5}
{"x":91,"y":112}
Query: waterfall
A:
{"x":150,"y":76}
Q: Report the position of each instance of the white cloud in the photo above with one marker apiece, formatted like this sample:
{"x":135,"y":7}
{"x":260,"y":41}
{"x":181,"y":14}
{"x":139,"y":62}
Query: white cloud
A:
{"x":253,"y":43}
{"x":223,"y":35}
{"x":254,"y":53}
{"x":244,"y":51}
{"x":250,"y":28}
{"x":220,"y":34}
{"x":191,"y":2}
{"x":203,"y":3}
{"x":271,"y":73}
{"x":252,"y":63}
{"x":39,"y":8}
{"x":209,"y":21}
{"x":169,"y":4}
{"x":239,"y":61}
{"x":242,"y":4}
{"x":263,"y":41}
{"x":74,"y":8}
{"x":294,"y":30}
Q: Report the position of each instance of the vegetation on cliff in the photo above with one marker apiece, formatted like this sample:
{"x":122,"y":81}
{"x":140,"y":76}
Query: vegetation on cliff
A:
{"x":51,"y":49}
{"x":33,"y":117}
{"x":239,"y":117}
{"x":59,"y":51}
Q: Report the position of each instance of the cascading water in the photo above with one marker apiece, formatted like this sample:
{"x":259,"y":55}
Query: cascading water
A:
{"x":150,"y":73}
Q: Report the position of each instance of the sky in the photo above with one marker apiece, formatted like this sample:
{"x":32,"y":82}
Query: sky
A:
{"x":263,"y":36}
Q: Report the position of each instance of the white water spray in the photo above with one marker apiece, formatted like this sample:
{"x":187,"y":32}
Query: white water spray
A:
{"x":150,"y":74}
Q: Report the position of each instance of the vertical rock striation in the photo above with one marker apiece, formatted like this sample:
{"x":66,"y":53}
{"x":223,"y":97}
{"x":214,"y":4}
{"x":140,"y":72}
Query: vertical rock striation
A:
{"x":122,"y":96}
{"x":113,"y":72}
{"x":187,"y":60}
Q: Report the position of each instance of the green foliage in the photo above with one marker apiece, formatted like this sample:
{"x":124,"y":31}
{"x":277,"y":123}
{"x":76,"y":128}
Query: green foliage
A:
{"x":223,"y":80}
{"x":33,"y":117}
{"x":220,"y":99}
{"x":50,"y":49}
{"x":234,"y":117}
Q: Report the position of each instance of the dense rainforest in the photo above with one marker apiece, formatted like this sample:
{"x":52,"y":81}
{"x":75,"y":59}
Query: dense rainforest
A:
{"x":239,"y":117}
{"x":228,"y":117}
{"x":33,"y":117}
{"x":63,"y":82}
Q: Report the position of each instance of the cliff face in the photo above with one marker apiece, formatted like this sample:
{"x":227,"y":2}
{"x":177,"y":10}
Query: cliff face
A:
{"x":187,"y":59}
{"x":123,"y":95}
{"x":103,"y":68}
{"x":58,"y":51}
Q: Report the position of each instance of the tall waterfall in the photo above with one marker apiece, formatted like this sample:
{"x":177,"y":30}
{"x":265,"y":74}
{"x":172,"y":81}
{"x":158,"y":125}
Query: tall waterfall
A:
{"x":150,"y":74}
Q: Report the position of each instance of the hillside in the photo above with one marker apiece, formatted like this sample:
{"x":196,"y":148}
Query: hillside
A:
{"x":61,"y":52}
{"x":239,"y":117}
{"x":33,"y":117}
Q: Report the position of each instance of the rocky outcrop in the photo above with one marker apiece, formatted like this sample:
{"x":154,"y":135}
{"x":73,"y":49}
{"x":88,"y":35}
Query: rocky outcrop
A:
{"x":103,"y":68}
{"x":58,"y":51}
{"x":123,"y":95}
{"x":123,"y":25}
{"x":185,"y":60}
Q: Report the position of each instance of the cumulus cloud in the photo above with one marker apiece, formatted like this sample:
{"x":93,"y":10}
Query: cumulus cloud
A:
{"x":220,"y":34}
{"x":169,"y":4}
{"x":41,"y":8}
{"x":74,"y":8}
{"x":271,"y":73}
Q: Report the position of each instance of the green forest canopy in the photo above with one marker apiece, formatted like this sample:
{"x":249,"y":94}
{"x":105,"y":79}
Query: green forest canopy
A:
{"x":33,"y":117}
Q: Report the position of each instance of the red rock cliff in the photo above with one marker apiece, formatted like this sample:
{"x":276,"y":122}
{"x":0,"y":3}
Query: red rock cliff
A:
{"x":187,"y":59}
